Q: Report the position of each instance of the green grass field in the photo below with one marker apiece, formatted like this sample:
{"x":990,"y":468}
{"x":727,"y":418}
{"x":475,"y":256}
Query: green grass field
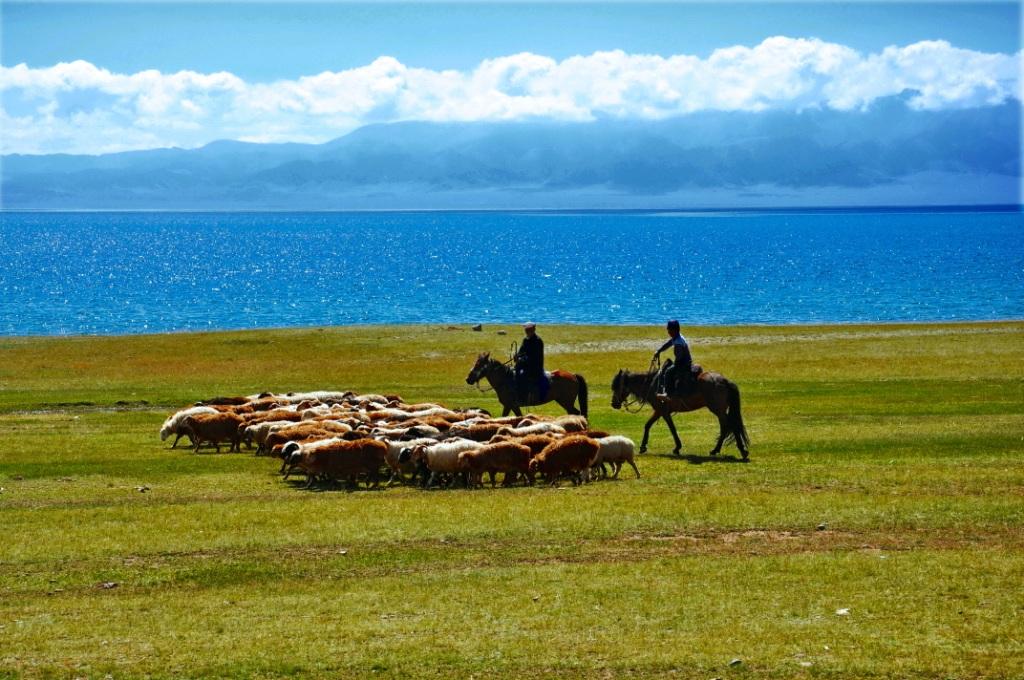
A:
{"x":877,"y":531}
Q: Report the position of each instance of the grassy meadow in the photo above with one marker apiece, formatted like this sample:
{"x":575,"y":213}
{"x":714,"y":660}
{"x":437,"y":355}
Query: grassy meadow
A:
{"x":877,"y":530}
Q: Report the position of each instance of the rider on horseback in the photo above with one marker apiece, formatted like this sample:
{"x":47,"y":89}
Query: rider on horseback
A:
{"x":529,"y":363}
{"x":676,"y":377}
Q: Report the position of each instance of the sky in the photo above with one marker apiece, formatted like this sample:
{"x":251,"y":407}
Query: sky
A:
{"x":99,"y":77}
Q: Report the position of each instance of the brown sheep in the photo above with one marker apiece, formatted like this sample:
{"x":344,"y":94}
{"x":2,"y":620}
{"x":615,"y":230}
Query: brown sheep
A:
{"x":439,"y":422}
{"x":507,"y":457}
{"x":213,"y":428}
{"x":301,"y":431}
{"x":572,"y":455}
{"x":338,"y":459}
{"x":573,"y":423}
{"x":479,"y":432}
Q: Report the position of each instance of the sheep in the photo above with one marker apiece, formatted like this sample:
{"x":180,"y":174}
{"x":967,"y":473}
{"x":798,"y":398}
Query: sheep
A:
{"x":573,"y":423}
{"x":480,"y":432}
{"x":249,"y":429}
{"x":414,"y":432}
{"x":440,"y":411}
{"x":173,"y":423}
{"x":388,"y":414}
{"x":437,"y":422}
{"x":394,"y":452}
{"x":507,"y":457}
{"x":615,"y":451}
{"x":440,"y":459}
{"x":338,"y":459}
{"x":259,"y":432}
{"x":572,"y":455}
{"x":300,"y":431}
{"x":214,"y":428}
{"x":539,"y":428}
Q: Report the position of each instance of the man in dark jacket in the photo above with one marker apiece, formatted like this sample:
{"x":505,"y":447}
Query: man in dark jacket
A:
{"x":677,"y":377}
{"x":529,"y":363}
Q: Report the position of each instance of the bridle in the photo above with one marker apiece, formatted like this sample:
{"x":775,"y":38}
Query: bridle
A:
{"x":634,"y":403}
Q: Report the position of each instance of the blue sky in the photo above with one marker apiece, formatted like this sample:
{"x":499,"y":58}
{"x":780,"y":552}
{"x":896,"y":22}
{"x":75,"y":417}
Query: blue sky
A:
{"x":265,"y":41}
{"x":101,"y":77}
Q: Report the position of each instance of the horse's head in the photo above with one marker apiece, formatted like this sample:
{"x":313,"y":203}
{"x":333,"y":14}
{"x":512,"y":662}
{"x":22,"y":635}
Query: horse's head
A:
{"x":479,"y":369}
{"x":619,"y":389}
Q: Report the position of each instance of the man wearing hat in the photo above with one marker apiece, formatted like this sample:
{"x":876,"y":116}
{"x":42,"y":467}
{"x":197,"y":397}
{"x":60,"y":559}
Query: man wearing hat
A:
{"x":529,"y":363}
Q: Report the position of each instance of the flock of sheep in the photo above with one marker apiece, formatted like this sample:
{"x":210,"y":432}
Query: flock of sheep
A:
{"x":347,"y":437}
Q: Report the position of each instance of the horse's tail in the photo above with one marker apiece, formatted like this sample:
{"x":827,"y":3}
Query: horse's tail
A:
{"x":737,"y":431}
{"x":582,"y":394}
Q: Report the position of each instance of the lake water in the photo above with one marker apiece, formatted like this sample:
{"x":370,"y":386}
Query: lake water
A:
{"x":115,"y":273}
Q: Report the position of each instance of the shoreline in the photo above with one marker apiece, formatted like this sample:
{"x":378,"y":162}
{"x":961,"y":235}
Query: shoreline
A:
{"x":513,"y":327}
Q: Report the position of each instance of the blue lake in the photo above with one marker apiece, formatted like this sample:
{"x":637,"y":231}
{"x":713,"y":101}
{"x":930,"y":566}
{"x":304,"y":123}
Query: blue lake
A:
{"x":114,"y":273}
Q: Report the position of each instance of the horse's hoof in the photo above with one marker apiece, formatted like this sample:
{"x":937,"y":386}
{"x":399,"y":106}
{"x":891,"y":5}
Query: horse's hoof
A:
{"x":712,"y":453}
{"x":643,"y":449}
{"x":675,"y":452}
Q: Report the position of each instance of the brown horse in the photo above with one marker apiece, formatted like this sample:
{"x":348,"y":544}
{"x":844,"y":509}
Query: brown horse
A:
{"x":718,"y":394}
{"x":565,"y":387}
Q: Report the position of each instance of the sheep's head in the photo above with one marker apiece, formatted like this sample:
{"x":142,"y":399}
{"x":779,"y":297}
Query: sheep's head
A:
{"x":534,"y":465}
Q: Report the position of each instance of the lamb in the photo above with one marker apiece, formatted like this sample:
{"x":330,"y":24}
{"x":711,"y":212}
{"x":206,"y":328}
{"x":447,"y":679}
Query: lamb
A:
{"x":615,"y":451}
{"x":213,"y":428}
{"x":173,"y":423}
{"x":338,"y":459}
{"x":440,"y":459}
{"x":507,"y":457}
{"x":571,"y":455}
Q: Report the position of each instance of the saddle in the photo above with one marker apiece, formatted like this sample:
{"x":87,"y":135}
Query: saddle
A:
{"x":685,"y":385}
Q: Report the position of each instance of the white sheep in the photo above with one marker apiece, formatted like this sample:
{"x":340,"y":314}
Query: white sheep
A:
{"x":174,"y":421}
{"x":537,"y":428}
{"x":394,"y":452}
{"x":615,"y":451}
{"x":440,"y":458}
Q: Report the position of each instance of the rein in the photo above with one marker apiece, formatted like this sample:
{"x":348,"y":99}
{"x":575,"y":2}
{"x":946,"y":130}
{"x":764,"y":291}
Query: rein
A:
{"x":635,"y":402}
{"x":490,"y":388}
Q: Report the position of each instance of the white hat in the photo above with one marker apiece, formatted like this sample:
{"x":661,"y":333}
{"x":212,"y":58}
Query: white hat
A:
{"x":529,"y":324}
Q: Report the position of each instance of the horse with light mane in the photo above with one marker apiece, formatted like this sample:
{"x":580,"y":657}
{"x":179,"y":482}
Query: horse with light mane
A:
{"x":713,"y":391}
{"x":565,"y":387}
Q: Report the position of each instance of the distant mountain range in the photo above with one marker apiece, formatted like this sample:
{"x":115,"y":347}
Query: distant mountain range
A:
{"x":888,"y":155}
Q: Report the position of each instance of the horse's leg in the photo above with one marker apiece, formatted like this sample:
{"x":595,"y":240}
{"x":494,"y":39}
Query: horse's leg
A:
{"x":568,"y":405}
{"x":647,"y":431}
{"x":672,"y":428}
{"x":568,"y":402}
{"x":723,"y":432}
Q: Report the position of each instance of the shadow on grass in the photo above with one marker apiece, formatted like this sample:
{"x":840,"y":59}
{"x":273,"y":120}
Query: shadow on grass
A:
{"x":700,"y":460}
{"x":299,"y":484}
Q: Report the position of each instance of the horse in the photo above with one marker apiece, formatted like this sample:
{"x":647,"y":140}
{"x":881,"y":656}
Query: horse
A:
{"x":714,"y":391}
{"x":565,"y":387}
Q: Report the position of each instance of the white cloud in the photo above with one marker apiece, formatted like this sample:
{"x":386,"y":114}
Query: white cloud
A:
{"x":78,"y":107}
